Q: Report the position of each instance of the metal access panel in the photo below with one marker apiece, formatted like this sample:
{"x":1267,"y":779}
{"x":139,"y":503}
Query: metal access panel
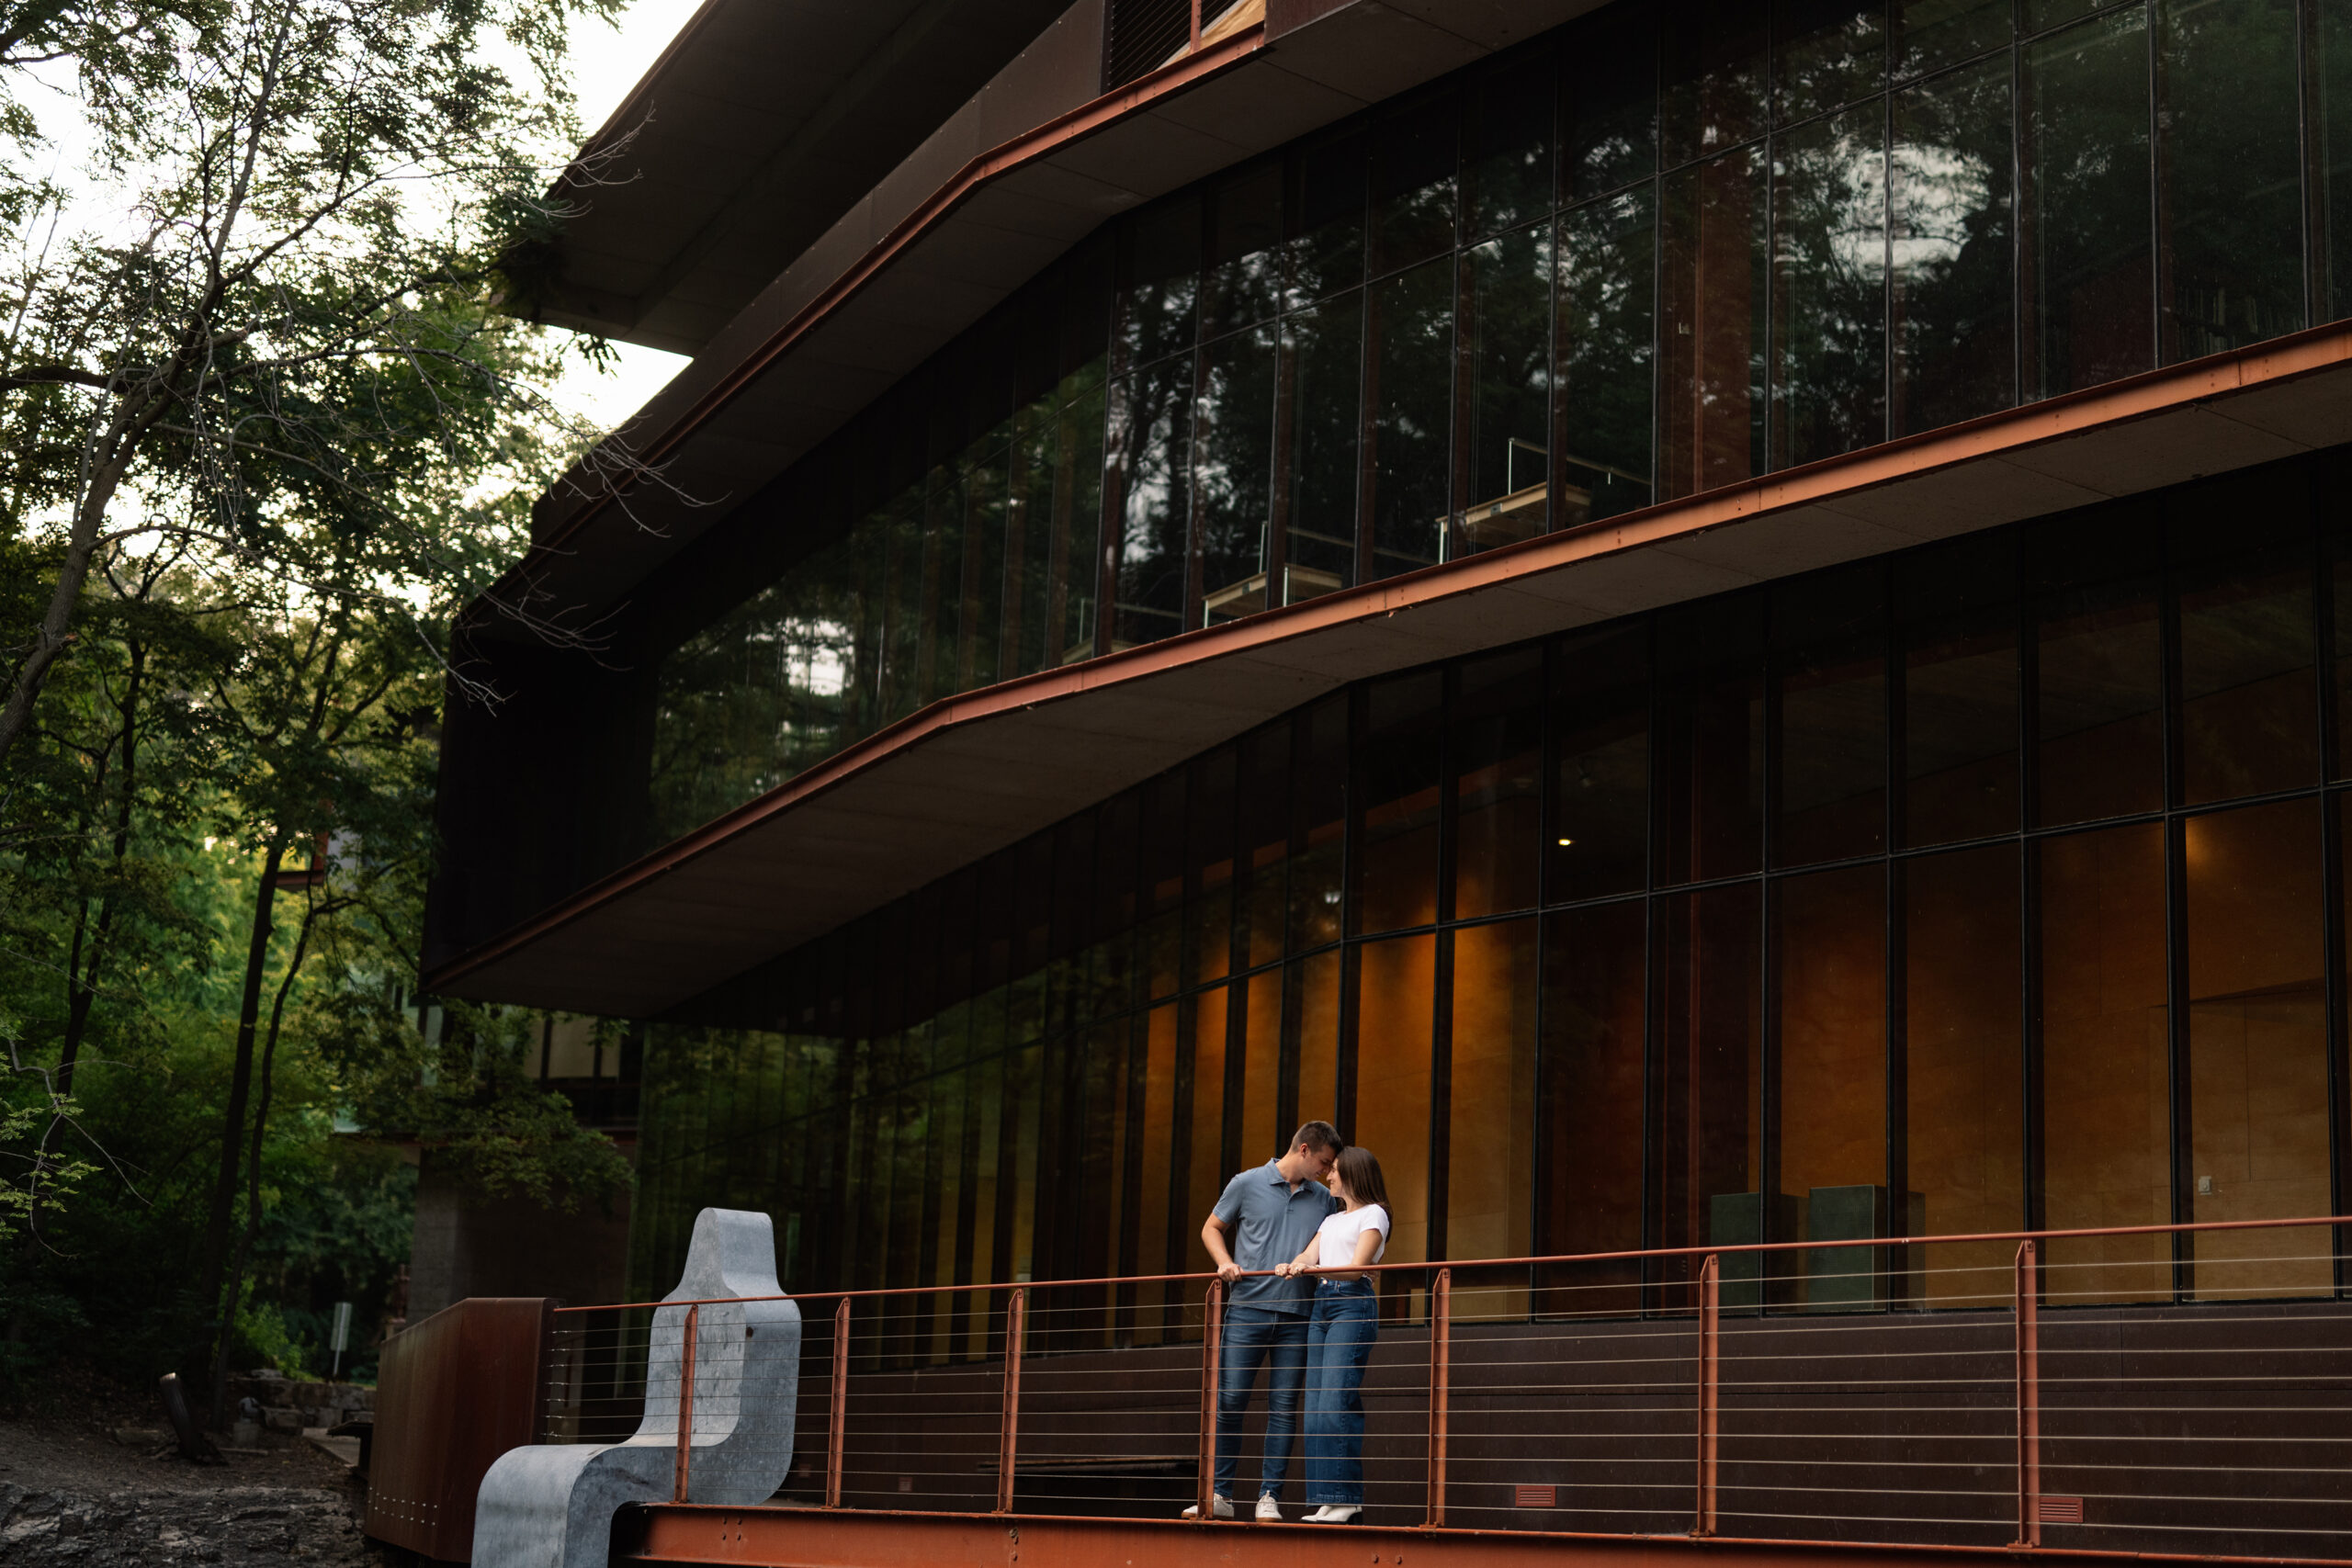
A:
{"x":453,"y":1393}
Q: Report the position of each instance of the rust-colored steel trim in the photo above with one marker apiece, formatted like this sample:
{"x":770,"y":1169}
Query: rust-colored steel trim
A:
{"x":1441,"y":1390}
{"x":2029,"y":1399}
{"x":2015,"y":429}
{"x":686,"y":1401}
{"x":1710,"y":1399}
{"x":1211,"y":1350}
{"x":2189,"y":1228}
{"x":837,"y":1412}
{"x":1008,"y":1441}
{"x":803,"y":1538}
{"x":1177,"y":77}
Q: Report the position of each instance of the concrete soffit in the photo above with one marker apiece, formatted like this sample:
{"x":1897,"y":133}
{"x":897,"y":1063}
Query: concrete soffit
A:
{"x":973,"y":774}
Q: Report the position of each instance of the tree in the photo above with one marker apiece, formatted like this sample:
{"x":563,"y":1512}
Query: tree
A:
{"x":299,"y":316}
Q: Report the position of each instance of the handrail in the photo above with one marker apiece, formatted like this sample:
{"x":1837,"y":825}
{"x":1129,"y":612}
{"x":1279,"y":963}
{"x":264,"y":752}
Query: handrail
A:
{"x":2188,"y":1228}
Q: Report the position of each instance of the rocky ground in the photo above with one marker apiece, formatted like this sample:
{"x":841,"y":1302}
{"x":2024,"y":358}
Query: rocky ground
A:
{"x":81,"y":1485}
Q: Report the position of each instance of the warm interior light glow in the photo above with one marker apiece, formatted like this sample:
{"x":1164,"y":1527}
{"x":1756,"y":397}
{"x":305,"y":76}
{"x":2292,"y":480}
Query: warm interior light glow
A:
{"x":1566,"y":843}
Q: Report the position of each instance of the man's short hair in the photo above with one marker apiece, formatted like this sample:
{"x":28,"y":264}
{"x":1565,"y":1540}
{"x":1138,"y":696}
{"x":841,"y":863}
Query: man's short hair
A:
{"x":1321,"y":1135}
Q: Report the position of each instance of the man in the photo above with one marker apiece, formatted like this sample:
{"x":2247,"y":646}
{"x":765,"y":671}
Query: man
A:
{"x":1266,"y":1216}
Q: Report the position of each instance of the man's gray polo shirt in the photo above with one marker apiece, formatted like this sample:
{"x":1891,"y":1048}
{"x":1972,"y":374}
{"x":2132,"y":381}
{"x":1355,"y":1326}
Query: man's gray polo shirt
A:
{"x":1269,"y":1223}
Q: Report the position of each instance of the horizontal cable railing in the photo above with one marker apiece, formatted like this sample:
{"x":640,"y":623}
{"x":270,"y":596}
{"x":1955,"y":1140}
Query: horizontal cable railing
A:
{"x":2147,"y":1389}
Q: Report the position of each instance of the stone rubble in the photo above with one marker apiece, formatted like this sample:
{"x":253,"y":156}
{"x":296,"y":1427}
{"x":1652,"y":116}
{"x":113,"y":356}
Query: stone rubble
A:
{"x":235,"y":1527}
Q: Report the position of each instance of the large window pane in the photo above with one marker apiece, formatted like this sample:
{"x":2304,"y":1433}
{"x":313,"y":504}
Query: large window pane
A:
{"x":2248,"y":682}
{"x":1609,"y":80}
{"x":1707,"y":1020}
{"x":2098,"y":696}
{"x":1261,"y":911}
{"x":1959,"y":607}
{"x":2232,"y":166}
{"x":1328,"y":190}
{"x":1413,"y":417}
{"x":1592,"y":1074}
{"x":1396,"y":1010}
{"x":1204,"y":1117}
{"x":1963,"y":1072}
{"x":1710,"y":770}
{"x":1829,"y":952}
{"x":1601,"y":790}
{"x":1262,"y":1060}
{"x":1503,"y":451}
{"x":1829,"y":660}
{"x":1156,"y":1115}
{"x":985,"y":570}
{"x":1159,"y":296}
{"x":1497,"y":786}
{"x":1604,"y":414}
{"x":1713,"y":256}
{"x":1507,"y":152}
{"x":1953,"y":253}
{"x":1414,"y":154}
{"x":1829,"y":286}
{"x":1151,"y":420}
{"x":2091,"y":277}
{"x":1825,"y":53}
{"x":1242,"y":283}
{"x":941,"y":599}
{"x":1397,"y":763}
{"x":1322,"y":380}
{"x":2257,"y":1048}
{"x":2332,"y":154}
{"x":1234,"y":472}
{"x":1931,"y":34}
{"x":1712,"y":86}
{"x":2106,"y":1116}
{"x":1318,"y":817}
{"x":1490,"y":1160}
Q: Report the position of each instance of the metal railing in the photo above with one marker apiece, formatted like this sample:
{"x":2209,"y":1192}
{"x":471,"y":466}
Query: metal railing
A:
{"x":2152,"y":1388}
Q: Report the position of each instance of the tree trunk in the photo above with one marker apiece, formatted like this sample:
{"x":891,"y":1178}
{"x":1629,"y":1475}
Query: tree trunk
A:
{"x":233,"y":1124}
{"x":83,"y":982}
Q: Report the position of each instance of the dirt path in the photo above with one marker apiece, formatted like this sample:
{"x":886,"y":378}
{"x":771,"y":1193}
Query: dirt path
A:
{"x":71,"y":1494}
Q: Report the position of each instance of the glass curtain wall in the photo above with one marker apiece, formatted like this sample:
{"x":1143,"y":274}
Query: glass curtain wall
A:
{"x":1674,"y":245}
{"x":1990,"y":885}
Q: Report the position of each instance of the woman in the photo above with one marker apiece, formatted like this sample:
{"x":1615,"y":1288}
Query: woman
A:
{"x":1339,"y":1335}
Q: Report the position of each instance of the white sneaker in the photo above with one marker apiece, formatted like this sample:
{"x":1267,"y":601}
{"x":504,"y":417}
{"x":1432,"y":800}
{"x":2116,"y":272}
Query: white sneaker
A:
{"x":1268,"y":1511}
{"x":1220,"y":1507}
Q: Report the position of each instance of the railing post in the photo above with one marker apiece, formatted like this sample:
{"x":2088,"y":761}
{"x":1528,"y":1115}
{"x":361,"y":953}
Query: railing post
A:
{"x":1196,"y":26}
{"x":1440,"y":1389}
{"x":1212,"y":1343}
{"x":1009,"y":1434}
{"x":686,"y":1399}
{"x":2029,"y":1399}
{"x":1709,"y":1391}
{"x":837,"y":1410}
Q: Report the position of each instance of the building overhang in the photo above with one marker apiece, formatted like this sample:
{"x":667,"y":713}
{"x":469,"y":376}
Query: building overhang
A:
{"x":1024,"y":172}
{"x":973,"y":774}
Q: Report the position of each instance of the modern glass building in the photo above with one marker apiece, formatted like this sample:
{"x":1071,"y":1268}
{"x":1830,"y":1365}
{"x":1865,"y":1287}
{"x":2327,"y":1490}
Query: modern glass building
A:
{"x":1703,"y":621}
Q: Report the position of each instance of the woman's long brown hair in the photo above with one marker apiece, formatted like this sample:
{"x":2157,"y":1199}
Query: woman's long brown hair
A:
{"x":1359,"y":1169}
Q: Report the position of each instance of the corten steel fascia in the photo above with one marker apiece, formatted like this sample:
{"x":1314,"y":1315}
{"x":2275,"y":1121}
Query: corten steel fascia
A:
{"x":2006,"y":434}
{"x":805,"y":1537}
{"x":1029,"y":147}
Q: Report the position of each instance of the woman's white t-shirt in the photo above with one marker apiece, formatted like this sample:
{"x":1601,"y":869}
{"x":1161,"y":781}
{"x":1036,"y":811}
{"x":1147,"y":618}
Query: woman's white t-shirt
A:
{"x":1337,"y":1236}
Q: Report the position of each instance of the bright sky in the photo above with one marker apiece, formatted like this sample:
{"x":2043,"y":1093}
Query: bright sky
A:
{"x":606,"y":63}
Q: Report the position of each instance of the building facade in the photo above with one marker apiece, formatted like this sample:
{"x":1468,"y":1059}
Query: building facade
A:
{"x":1704,"y":622}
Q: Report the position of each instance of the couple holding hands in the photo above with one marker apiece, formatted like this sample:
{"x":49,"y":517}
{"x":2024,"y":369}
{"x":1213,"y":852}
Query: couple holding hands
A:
{"x":1288,"y":1246}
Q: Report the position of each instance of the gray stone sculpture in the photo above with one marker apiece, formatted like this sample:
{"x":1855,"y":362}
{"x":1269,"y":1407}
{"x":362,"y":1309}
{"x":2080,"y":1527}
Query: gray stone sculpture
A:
{"x":553,"y":1506}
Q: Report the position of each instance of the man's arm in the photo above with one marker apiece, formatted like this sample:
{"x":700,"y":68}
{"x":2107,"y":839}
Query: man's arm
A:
{"x":1213,"y":1238}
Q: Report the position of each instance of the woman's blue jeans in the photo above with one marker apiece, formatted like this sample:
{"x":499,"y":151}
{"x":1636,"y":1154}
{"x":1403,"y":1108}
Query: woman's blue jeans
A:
{"x":1339,"y":1343}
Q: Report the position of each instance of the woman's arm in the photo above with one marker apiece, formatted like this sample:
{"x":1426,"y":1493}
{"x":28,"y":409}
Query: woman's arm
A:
{"x":1303,"y":1262}
{"x":1368,"y":1246}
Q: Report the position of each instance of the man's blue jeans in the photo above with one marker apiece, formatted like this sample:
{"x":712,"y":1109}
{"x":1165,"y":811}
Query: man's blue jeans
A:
{"x":1277,"y":1341}
{"x":1346,"y":1317}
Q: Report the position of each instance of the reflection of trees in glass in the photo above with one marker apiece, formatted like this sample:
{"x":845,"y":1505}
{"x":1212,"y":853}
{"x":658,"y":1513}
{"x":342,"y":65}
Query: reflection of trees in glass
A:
{"x":1954,"y":264}
{"x":2089,"y":305}
{"x":1713,"y":66}
{"x":1322,"y":382}
{"x":1234,"y":469}
{"x":1829,"y":286}
{"x":1610,"y":120}
{"x":2232,"y":195}
{"x":1931,"y":34}
{"x":754,"y":697}
{"x":1507,"y":346}
{"x":1608,"y":318}
{"x":1151,"y":419}
{"x":2332,"y":157}
{"x":1712,"y":318}
{"x":1413,"y":327}
{"x":1825,"y":53}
